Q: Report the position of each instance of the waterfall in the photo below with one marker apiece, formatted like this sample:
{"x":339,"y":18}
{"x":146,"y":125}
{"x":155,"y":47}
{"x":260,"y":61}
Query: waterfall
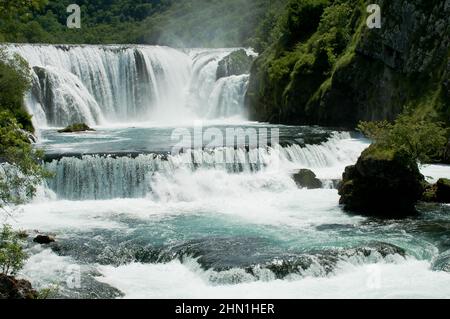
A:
{"x":106,"y":177}
{"x":126,"y":84}
{"x":214,"y":98}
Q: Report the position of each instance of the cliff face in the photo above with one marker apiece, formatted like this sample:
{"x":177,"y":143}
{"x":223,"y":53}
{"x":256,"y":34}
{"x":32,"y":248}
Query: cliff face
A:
{"x":344,"y":72}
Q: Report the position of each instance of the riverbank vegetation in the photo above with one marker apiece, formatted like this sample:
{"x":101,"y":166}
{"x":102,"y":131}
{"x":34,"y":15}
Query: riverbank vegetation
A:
{"x":423,"y":140}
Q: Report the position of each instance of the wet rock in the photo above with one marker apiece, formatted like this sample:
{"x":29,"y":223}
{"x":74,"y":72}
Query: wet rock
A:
{"x":438,"y":193}
{"x":12,"y":288}
{"x":306,"y":178}
{"x":442,"y":262}
{"x":443,"y":190}
{"x":237,"y":63}
{"x":326,"y":261}
{"x":44,"y":239}
{"x":75,"y":128}
{"x":383,"y":183}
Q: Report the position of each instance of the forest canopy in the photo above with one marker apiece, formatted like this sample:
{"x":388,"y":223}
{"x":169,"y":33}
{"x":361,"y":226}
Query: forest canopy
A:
{"x":186,"y":23}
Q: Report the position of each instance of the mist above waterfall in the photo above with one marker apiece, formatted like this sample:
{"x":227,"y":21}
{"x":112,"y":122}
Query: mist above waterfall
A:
{"x":207,"y":23}
{"x":100,"y":85}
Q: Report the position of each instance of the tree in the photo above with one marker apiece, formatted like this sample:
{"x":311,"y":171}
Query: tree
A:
{"x":20,"y":168}
{"x":15,"y":81}
{"x":20,"y":164}
{"x":10,"y":8}
{"x":12,"y":256}
{"x":422,"y":139}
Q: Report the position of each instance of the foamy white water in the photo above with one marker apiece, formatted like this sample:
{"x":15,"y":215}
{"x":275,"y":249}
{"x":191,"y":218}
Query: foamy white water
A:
{"x":404,"y":280}
{"x":219,"y":222}
{"x":225,"y":215}
{"x":101,"y":85}
{"x":433,"y":173}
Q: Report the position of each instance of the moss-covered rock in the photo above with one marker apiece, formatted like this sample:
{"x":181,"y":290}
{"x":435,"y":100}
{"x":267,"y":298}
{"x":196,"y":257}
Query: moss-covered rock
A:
{"x":438,"y":193}
{"x":306,"y":178}
{"x":236,"y":63}
{"x":383,"y":183}
{"x":75,"y":128}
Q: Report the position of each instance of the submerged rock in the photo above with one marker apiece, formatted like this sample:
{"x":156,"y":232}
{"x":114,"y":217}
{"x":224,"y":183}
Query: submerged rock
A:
{"x":44,"y":239}
{"x":74,"y":128}
{"x":306,"y":178}
{"x":12,"y":288}
{"x":438,"y":193}
{"x":237,"y":63}
{"x":442,"y":262}
{"x":325,"y":262}
{"x":383,"y":183}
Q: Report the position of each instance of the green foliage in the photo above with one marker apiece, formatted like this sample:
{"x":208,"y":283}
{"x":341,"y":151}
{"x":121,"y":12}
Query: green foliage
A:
{"x":315,"y":34}
{"x":267,"y":32}
{"x":301,"y":20}
{"x":12,"y":256}
{"x":20,"y":169}
{"x":422,"y":139}
{"x":207,"y":23}
{"x":15,"y":80}
{"x":11,"y":8}
{"x":47,"y":293}
{"x":325,"y":66}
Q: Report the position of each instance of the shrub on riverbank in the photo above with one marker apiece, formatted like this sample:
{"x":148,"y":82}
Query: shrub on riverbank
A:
{"x":12,"y":256}
{"x":422,"y":139}
{"x":15,"y":80}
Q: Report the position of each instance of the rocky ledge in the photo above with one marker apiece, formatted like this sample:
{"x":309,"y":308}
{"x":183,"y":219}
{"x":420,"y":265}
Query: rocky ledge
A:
{"x":12,"y":288}
{"x":383,"y":183}
{"x":236,"y":63}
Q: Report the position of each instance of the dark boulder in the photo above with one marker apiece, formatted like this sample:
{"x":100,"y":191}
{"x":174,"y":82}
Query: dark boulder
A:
{"x":438,"y":193}
{"x":443,"y":190}
{"x":12,"y":288}
{"x":74,"y":128}
{"x":383,"y":183}
{"x":236,"y":63}
{"x":306,"y":178}
{"x":44,"y":239}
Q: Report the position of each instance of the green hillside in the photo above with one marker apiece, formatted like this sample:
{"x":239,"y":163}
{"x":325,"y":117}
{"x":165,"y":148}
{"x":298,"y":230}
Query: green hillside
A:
{"x":327,"y":67}
{"x":193,"y":23}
